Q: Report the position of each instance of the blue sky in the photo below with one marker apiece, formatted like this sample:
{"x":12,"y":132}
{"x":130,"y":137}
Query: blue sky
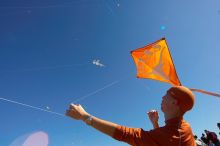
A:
{"x":46,"y":54}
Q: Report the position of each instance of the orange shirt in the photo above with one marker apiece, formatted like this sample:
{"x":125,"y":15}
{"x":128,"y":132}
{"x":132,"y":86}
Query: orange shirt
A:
{"x":176,"y":132}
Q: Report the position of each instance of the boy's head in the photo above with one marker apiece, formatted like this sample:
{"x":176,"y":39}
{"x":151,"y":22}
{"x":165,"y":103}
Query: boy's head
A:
{"x":178,"y":98}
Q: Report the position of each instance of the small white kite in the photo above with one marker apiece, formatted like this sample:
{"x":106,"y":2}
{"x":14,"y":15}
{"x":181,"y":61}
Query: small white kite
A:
{"x":97,"y":63}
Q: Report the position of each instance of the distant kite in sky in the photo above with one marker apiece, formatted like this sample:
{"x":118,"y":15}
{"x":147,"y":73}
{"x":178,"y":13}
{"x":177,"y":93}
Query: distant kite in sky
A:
{"x":154,"y":61}
{"x":97,"y":63}
{"x":162,"y":27}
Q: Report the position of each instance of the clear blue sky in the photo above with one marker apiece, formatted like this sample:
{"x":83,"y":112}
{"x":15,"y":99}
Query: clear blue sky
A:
{"x":46,"y":53}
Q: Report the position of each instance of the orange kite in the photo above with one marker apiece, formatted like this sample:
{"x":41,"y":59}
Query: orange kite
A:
{"x":155,"y":62}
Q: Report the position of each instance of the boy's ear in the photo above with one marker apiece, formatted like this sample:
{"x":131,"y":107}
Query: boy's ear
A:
{"x":175,"y":102}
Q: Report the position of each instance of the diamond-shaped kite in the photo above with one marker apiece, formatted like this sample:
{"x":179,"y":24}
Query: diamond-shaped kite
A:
{"x":154,"y":61}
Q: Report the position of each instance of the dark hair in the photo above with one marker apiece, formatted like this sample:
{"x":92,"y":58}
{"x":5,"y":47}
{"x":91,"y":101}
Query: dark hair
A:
{"x":218,"y":124}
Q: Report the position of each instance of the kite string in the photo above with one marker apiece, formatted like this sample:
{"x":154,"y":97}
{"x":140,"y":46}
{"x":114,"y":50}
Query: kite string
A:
{"x":59,"y":114}
{"x":47,"y":67}
{"x":100,"y":89}
{"x":96,"y":91}
{"x":65,"y":4}
{"x":108,"y":7}
{"x":30,"y":106}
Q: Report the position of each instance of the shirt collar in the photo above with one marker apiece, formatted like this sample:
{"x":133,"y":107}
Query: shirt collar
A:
{"x":174,"y":120}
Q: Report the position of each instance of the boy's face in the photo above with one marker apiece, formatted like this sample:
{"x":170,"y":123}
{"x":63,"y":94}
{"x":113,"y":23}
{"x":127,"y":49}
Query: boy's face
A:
{"x":168,"y":104}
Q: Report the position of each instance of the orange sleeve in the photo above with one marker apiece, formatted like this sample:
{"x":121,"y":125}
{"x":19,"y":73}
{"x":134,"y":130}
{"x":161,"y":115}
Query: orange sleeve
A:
{"x":169,"y":135}
{"x":134,"y":136}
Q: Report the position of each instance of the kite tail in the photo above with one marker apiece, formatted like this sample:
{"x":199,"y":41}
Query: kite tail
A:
{"x":205,"y":92}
